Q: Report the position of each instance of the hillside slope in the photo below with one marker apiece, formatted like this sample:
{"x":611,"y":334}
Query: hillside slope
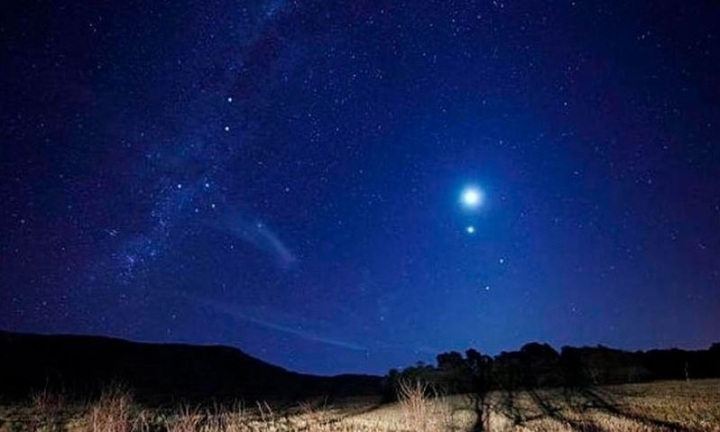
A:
{"x":83,"y":365}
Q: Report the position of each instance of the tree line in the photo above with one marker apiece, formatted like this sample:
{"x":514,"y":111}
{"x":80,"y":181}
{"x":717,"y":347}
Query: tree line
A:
{"x":540,"y":365}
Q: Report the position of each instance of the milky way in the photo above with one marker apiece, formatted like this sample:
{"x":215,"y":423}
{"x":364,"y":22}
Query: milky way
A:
{"x":187,"y":169}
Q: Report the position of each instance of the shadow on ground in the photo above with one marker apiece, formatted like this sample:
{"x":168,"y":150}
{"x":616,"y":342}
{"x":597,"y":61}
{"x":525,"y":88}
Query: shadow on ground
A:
{"x":577,"y":401}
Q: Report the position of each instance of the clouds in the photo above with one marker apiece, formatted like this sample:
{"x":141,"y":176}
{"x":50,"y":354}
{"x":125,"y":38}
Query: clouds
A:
{"x":275,"y":320}
{"x":342,"y":335}
{"x":258,"y":235}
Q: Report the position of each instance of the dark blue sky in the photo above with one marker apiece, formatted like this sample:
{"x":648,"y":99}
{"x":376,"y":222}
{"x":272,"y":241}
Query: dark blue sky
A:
{"x":284,"y":177}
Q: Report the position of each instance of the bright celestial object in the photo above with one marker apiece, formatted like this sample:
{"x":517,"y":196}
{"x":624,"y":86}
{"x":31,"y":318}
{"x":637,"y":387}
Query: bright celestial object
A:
{"x":471,"y":197}
{"x":470,"y":229}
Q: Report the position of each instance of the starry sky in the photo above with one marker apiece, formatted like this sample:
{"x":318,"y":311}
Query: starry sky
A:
{"x":356,"y":185}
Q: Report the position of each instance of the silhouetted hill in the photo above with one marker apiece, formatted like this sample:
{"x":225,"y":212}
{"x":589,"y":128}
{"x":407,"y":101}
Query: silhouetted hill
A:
{"x":84,"y":365}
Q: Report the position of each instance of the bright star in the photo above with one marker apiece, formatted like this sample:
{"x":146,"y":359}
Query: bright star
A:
{"x":471,"y":197}
{"x":470,"y":229}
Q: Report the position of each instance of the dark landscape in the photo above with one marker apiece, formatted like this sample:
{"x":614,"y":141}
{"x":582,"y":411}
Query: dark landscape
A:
{"x":83,"y":366}
{"x":67,"y":382}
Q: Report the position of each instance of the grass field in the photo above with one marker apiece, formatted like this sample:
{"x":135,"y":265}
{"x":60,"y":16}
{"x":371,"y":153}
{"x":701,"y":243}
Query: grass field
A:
{"x":665,"y":406}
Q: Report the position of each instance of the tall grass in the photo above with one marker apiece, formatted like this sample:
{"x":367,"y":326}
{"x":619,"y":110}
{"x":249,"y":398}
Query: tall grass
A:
{"x":113,"y":412}
{"x":188,"y":420}
{"x":47,"y":408}
{"x":423,"y":407}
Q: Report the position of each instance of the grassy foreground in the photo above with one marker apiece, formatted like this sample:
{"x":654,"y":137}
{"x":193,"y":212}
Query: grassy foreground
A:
{"x":665,"y":406}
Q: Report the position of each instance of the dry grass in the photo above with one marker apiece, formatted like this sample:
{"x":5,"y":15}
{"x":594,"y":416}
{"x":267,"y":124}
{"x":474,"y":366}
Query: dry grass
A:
{"x":422,"y":413}
{"x":669,"y":406}
{"x":47,"y":409}
{"x":113,"y":412}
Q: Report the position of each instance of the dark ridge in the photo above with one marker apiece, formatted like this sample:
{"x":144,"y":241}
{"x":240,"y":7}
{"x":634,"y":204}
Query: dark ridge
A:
{"x":82,"y":366}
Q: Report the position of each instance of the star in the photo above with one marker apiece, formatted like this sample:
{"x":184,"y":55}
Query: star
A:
{"x":470,"y":229}
{"x":471,"y":197}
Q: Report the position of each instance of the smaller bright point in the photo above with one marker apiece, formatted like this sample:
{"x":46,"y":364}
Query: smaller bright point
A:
{"x":470,"y":229}
{"x":227,"y":128}
{"x":229,"y":99}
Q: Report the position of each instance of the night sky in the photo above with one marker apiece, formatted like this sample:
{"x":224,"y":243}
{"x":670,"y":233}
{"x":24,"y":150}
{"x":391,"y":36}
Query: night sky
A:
{"x":353,"y":186}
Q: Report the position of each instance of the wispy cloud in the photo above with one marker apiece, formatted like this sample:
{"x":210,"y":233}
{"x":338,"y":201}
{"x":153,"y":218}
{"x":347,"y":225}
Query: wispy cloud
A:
{"x":259,"y":235}
{"x":256,"y":317}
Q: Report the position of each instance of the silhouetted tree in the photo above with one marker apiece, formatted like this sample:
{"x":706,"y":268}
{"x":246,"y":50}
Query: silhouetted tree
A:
{"x":572,"y":369}
{"x":421,"y":372}
{"x":389,"y":385}
{"x":480,"y":369}
{"x":541,"y":365}
{"x":507,"y":370}
{"x":453,"y":373}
